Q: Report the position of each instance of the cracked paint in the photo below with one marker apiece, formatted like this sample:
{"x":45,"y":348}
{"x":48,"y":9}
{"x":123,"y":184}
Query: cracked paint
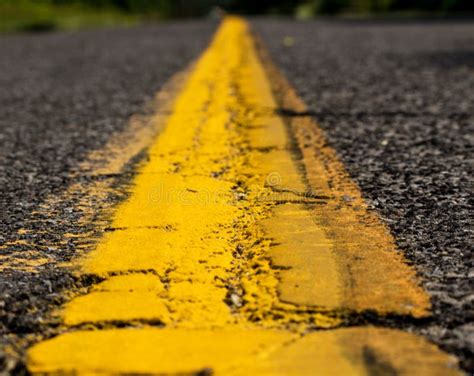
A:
{"x":221,"y":260}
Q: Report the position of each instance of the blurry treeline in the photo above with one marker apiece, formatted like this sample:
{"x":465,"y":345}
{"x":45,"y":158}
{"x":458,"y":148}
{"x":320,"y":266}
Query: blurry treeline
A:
{"x":71,"y":14}
{"x":196,"y":8}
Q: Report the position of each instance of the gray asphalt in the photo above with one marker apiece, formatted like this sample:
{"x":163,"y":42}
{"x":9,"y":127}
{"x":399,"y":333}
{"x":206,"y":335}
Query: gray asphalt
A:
{"x":61,"y":96}
{"x":396,"y":100}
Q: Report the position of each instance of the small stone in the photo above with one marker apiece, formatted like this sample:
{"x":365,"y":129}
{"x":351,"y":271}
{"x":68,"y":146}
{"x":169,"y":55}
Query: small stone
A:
{"x":236,"y":300}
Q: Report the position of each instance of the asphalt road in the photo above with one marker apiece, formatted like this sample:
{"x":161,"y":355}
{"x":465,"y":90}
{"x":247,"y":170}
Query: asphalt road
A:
{"x":396,"y":101}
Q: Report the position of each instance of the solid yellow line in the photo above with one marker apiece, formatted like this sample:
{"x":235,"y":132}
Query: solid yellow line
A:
{"x":218,"y":243}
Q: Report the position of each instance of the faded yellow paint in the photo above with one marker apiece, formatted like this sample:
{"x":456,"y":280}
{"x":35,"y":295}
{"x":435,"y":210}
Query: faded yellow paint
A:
{"x":237,"y":351}
{"x":372,"y":272}
{"x":311,"y":274}
{"x":93,"y":199}
{"x":26,"y":261}
{"x":220,"y":242}
{"x":356,"y":351}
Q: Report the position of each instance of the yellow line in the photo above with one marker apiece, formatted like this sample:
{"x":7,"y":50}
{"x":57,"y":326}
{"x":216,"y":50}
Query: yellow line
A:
{"x":93,"y":198}
{"x":349,"y":351}
{"x":372,"y":273}
{"x":220,"y":243}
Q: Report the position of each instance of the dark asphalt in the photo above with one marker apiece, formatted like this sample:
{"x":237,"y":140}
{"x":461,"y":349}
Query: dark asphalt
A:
{"x":396,"y":100}
{"x":61,"y":96}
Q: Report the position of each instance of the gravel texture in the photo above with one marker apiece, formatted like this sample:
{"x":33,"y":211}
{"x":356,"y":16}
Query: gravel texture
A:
{"x":61,"y":96}
{"x":396,"y":100}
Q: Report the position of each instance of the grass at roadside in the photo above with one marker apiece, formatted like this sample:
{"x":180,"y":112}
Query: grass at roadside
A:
{"x":39,"y":16}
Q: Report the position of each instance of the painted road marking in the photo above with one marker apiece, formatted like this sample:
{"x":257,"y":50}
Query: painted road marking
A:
{"x":223,"y":259}
{"x":371,"y":271}
{"x":233,"y":351}
{"x":93,"y":198}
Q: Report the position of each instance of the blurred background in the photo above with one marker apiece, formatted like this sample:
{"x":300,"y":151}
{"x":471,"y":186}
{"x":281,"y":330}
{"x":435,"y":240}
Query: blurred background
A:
{"x":43,"y":15}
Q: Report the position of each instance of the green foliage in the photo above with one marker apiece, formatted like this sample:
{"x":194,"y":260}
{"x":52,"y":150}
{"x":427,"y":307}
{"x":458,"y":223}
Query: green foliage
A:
{"x":70,"y":14}
{"x":44,"y":15}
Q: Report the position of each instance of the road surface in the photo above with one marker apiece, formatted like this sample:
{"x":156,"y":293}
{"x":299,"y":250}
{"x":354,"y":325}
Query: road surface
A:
{"x":395,"y":105}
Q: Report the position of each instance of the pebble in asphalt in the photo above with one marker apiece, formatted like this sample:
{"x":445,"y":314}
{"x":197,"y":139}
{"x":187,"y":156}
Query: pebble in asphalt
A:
{"x":396,"y":101}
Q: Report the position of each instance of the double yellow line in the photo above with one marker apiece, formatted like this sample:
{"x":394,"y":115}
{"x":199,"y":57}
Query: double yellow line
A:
{"x":235,"y":249}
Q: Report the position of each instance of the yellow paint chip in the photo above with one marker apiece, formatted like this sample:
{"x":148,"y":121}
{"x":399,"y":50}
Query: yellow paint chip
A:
{"x":103,"y":307}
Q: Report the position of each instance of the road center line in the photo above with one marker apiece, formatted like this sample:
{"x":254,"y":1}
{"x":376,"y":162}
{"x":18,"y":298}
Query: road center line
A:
{"x":224,"y":257}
